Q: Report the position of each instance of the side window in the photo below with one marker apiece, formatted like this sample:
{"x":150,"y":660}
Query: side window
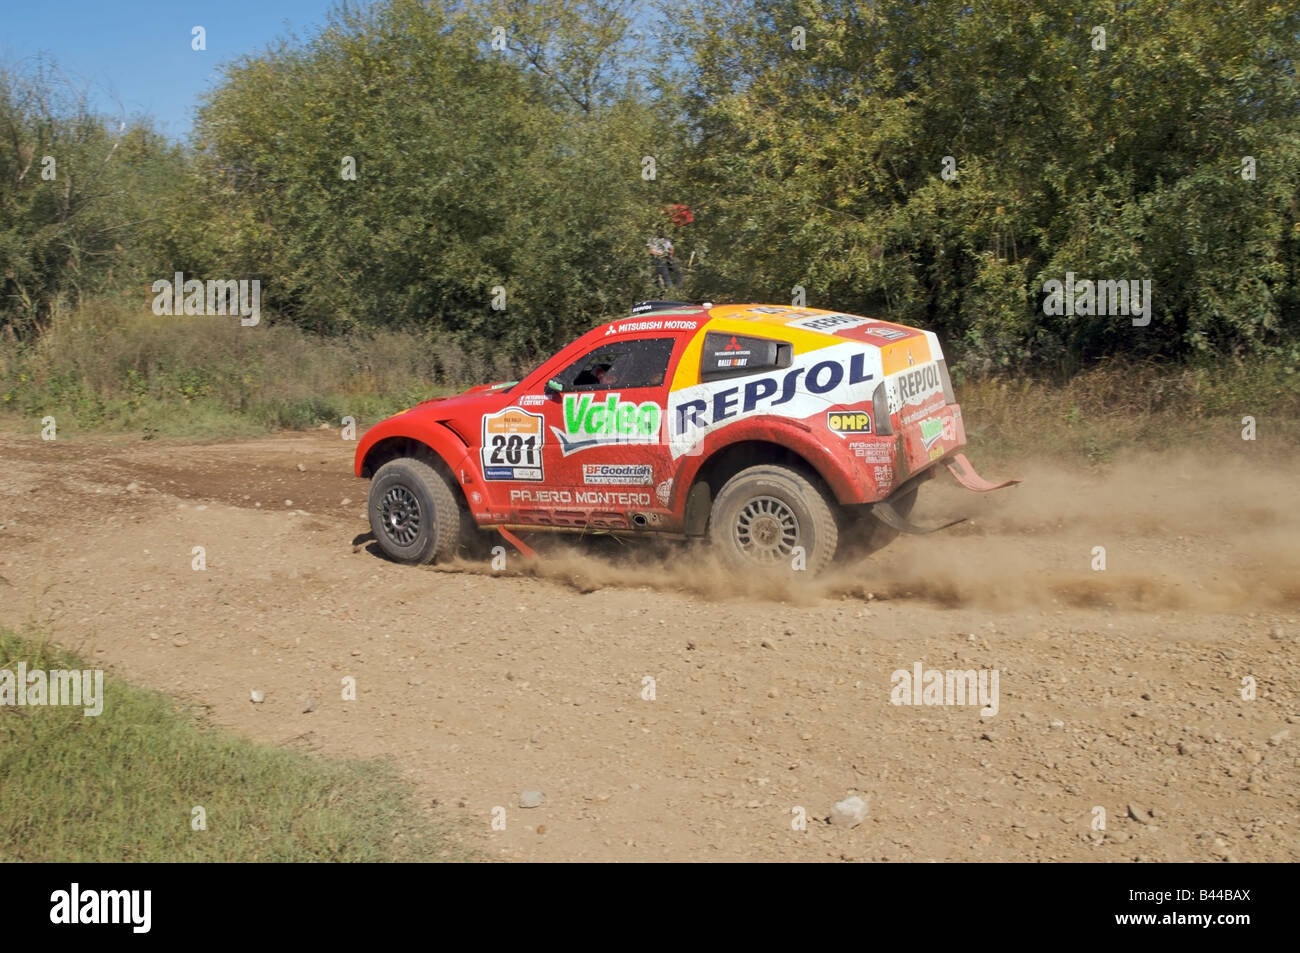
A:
{"x":640,"y":363}
{"x":734,"y":355}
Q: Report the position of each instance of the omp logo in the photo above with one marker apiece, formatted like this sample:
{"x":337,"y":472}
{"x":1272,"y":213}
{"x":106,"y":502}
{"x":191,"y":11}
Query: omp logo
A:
{"x":588,"y":424}
{"x":857,"y":421}
{"x":836,"y":375}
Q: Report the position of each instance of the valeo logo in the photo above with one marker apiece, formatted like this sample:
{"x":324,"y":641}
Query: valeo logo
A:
{"x":934,"y":428}
{"x":591,"y":423}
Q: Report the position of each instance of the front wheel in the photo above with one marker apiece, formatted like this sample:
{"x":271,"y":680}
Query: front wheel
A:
{"x":413,"y":512}
{"x":772,"y":518}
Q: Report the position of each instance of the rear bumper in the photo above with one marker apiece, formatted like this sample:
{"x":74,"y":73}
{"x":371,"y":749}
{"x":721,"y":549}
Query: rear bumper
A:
{"x":924,"y":442}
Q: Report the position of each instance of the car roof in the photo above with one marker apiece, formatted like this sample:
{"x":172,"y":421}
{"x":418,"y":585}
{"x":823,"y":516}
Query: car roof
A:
{"x":753,"y":311}
{"x":769,"y":315}
{"x":900,"y":346}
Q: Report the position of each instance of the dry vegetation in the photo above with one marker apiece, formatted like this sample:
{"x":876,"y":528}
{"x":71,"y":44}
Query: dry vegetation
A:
{"x":105,"y":366}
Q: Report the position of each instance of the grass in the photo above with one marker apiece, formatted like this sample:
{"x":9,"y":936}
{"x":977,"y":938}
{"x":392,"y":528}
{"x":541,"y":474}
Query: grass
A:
{"x":122,"y":787}
{"x":108,"y":367}
{"x":1120,"y":406}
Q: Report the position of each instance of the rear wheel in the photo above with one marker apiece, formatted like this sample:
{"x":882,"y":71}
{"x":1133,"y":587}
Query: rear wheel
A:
{"x":763,"y":516}
{"x":862,"y":534}
{"x":413,"y":512}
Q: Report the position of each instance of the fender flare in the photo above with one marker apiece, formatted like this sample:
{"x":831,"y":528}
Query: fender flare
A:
{"x":439,"y":440}
{"x":845,"y":484}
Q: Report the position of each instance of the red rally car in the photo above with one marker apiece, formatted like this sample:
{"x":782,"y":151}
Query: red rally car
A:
{"x":780,"y":433}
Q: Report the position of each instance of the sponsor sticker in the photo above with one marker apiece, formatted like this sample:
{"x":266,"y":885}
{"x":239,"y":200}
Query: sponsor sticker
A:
{"x":581,"y":497}
{"x":589,"y":423}
{"x":532,"y":400}
{"x":872,"y":451}
{"x":733,"y":355}
{"x":937,"y":428}
{"x":848,"y":421}
{"x":618,"y":474}
{"x":840,"y":374}
{"x":512,"y":445}
{"x":626,"y":327}
{"x":889,"y":334}
{"x":928,"y":409}
{"x":829,"y":323}
{"x":884,"y":475}
{"x":664,"y":490}
{"x":914,"y":386}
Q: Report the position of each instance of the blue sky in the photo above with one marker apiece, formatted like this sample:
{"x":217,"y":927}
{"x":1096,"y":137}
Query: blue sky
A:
{"x":135,"y":55}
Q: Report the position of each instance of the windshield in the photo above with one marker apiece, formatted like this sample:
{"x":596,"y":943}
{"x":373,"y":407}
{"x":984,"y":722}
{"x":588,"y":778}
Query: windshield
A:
{"x":507,"y":388}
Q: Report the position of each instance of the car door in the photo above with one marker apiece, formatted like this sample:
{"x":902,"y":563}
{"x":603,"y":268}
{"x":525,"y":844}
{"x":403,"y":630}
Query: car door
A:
{"x":604,"y":451}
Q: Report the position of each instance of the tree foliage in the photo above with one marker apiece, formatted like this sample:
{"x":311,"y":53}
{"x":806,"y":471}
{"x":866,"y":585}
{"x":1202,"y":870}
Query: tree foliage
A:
{"x":823,"y":167}
{"x":82,"y":201}
{"x":934,"y":162}
{"x":475,"y":169}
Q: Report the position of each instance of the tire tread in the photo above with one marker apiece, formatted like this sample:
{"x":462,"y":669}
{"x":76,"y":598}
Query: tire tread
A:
{"x":825,"y":525}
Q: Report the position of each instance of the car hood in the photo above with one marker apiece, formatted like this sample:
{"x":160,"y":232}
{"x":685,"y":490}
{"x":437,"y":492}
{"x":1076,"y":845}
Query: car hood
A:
{"x":454,"y":403}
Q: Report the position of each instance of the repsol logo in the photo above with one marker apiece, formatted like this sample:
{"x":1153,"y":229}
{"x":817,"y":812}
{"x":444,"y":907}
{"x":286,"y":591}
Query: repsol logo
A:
{"x":770,"y":392}
{"x":916,"y":385}
{"x":830,"y":323}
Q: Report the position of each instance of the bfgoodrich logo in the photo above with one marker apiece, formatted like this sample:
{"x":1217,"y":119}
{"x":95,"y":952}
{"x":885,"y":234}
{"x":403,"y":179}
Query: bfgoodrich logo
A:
{"x":103,"y":906}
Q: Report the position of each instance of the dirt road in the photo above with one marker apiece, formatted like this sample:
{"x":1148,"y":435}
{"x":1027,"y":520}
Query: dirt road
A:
{"x":1118,"y":687}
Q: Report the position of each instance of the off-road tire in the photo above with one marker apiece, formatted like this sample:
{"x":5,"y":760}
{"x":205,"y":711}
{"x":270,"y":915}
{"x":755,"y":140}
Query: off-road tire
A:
{"x":762,"y":513}
{"x":861,"y":534}
{"x":414,"y":514}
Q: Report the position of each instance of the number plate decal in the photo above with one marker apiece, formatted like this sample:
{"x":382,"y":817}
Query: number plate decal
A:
{"x":512,"y":445}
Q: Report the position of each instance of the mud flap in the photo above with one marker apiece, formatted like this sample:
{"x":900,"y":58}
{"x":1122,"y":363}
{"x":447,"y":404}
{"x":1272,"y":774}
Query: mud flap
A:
{"x":886,"y":513}
{"x":524,"y":549}
{"x":965,"y":474}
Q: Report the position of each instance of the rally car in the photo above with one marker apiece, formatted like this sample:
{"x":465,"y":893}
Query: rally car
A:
{"x":779,"y":433}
